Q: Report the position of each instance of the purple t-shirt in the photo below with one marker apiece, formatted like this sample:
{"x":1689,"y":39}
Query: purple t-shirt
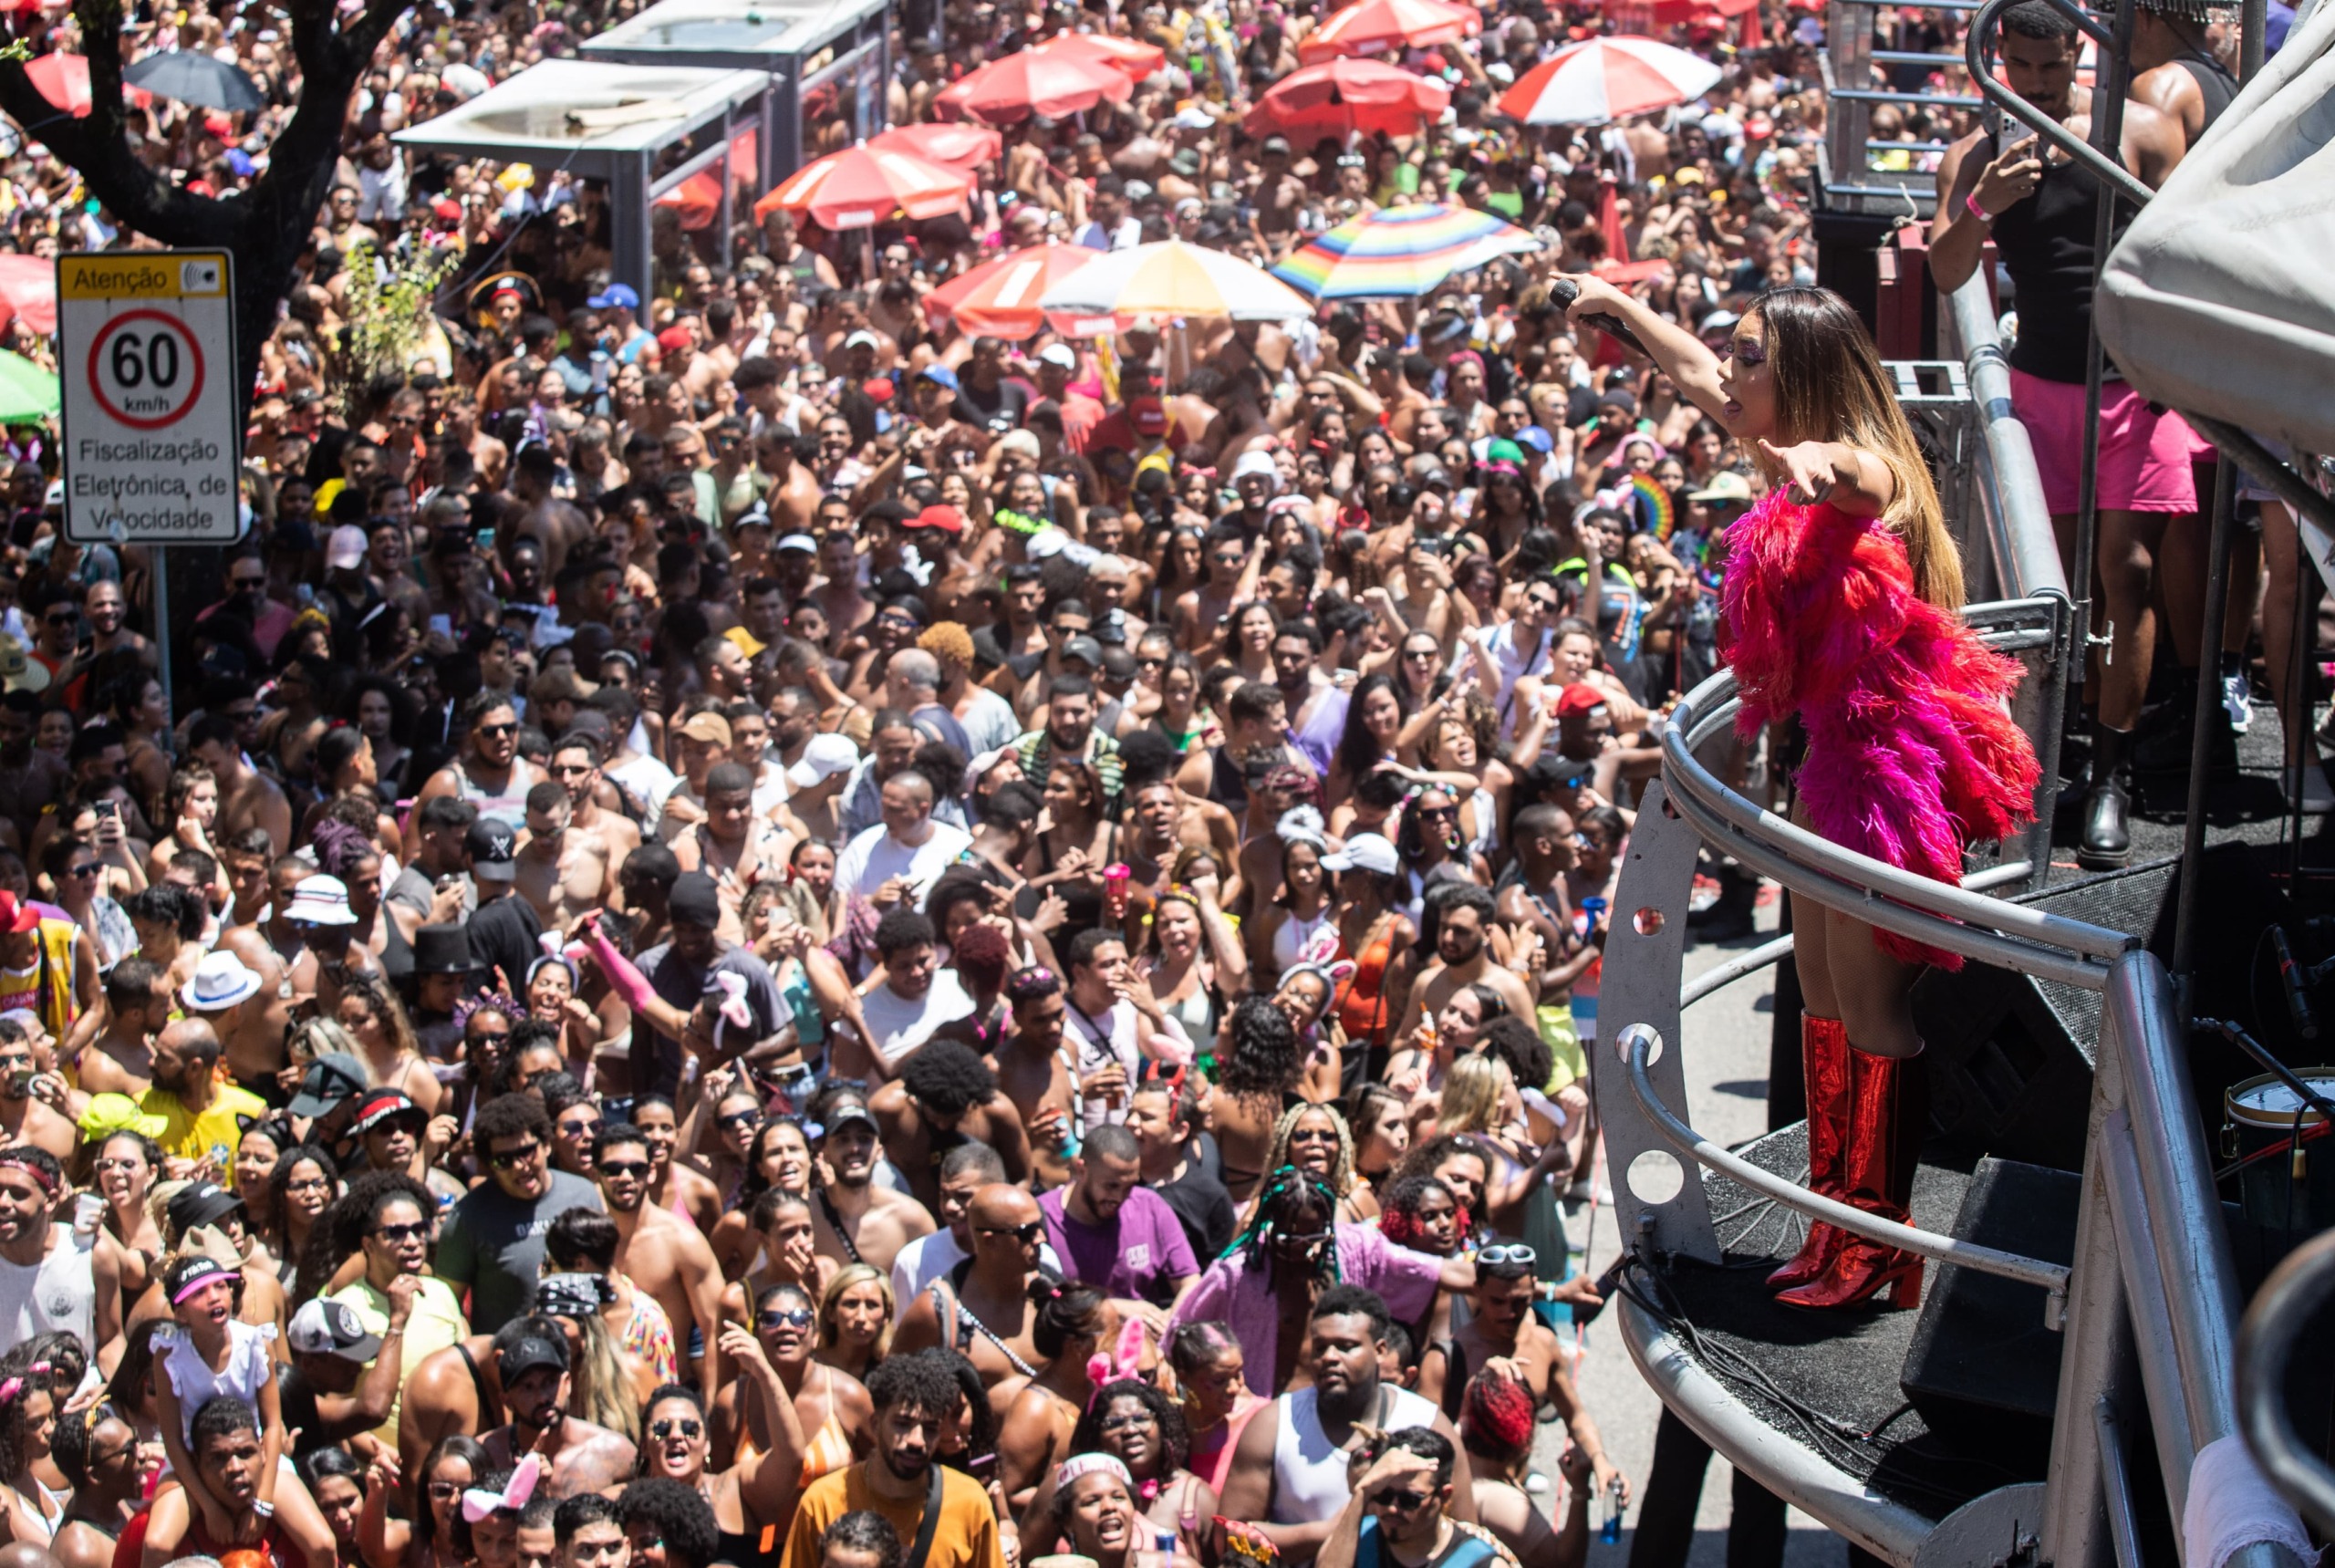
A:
{"x":1244,"y":1300}
{"x":1144,"y":1244}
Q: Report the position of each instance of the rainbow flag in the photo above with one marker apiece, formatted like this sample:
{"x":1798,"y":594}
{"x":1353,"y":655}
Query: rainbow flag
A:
{"x":1400,"y":251}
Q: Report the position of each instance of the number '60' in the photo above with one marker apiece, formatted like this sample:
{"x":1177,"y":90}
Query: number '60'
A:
{"x":156,"y":361}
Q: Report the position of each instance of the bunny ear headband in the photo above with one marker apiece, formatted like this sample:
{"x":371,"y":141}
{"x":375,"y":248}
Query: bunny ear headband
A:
{"x":477,"y":1504}
{"x":1320,"y":956}
{"x":1124,"y":1361}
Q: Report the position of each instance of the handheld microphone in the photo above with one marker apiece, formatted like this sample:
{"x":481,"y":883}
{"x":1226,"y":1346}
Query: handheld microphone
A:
{"x":1564,"y":291}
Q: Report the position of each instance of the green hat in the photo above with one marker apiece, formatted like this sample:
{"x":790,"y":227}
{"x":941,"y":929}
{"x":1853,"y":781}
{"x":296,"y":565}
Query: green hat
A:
{"x":1503,"y":450}
{"x":110,"y":1113}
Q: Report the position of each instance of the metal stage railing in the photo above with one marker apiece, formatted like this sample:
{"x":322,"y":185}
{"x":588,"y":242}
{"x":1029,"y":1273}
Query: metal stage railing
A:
{"x":2149,"y":1307}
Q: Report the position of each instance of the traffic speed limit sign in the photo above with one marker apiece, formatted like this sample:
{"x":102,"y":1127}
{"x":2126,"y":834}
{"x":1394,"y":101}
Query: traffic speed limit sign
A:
{"x":145,"y":369}
{"x":147,"y":344}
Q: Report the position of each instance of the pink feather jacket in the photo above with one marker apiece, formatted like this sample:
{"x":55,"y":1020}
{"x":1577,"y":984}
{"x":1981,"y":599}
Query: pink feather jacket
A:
{"x":1910,"y":754}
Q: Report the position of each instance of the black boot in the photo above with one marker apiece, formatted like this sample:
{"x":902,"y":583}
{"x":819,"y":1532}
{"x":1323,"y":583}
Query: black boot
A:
{"x":2107,"y":841}
{"x":1731,"y":915}
{"x":2165,"y":737}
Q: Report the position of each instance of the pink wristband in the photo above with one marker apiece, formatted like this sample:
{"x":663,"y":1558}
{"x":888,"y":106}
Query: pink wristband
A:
{"x":1971,"y":205}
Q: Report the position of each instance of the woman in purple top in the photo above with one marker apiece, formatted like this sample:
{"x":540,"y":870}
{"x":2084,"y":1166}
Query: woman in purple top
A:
{"x":1294,"y":1240}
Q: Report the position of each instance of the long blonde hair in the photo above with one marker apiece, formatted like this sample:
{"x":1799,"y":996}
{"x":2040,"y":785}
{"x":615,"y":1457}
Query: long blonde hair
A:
{"x":1472,"y":1092}
{"x":1829,"y":385}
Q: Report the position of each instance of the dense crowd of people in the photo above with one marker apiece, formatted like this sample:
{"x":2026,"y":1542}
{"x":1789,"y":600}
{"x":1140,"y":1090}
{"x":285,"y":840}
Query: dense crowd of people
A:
{"x":758,"y":929}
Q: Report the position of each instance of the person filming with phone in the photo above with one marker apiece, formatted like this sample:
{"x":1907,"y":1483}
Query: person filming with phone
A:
{"x":2037,"y":206}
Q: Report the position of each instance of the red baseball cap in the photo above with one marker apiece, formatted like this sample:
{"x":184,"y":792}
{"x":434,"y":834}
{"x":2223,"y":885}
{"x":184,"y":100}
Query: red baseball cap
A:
{"x":1578,"y":697}
{"x":947,"y":518}
{"x":17,"y":918}
{"x":674,"y":338}
{"x":1149,"y":415}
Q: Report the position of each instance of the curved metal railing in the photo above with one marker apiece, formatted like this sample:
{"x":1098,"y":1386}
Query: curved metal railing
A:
{"x":2010,"y":936}
{"x":1637,"y":1043}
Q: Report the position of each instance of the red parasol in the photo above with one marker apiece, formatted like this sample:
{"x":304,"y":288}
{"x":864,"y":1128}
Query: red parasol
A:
{"x":63,"y":81}
{"x":1035,"y":82}
{"x":700,"y":196}
{"x":959,"y":144}
{"x":1137,"y":59}
{"x":861,"y":187}
{"x":1000,"y":298}
{"x":1381,"y":27}
{"x":1342,"y":96}
{"x":28,"y":289}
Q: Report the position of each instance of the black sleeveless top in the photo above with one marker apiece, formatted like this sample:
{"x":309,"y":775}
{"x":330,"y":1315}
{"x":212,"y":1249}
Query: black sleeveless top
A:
{"x":2217,"y":85}
{"x":2045,"y":242}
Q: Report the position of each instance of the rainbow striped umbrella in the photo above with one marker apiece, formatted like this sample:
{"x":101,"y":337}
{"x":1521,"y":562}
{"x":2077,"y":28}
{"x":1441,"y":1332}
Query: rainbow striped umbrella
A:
{"x":1401,"y":251}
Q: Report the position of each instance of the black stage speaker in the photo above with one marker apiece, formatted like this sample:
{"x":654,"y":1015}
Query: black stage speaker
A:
{"x":2009,"y":1056}
{"x":1984,"y":1369}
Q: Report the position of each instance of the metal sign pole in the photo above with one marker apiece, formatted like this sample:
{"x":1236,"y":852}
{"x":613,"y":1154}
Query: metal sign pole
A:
{"x":162,"y":625}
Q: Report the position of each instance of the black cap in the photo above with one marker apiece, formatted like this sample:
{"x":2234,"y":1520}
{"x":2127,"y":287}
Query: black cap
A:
{"x":334,"y":1077}
{"x":531,"y":1353}
{"x":202,"y":1203}
{"x":187,"y":1274}
{"x":696,"y":899}
{"x":492,"y":844}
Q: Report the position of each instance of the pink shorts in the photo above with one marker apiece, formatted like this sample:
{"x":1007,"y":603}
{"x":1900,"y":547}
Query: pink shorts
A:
{"x":2144,"y":457}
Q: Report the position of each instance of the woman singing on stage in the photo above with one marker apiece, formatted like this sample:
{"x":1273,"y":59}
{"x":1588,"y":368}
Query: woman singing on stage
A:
{"x":1839,"y":609}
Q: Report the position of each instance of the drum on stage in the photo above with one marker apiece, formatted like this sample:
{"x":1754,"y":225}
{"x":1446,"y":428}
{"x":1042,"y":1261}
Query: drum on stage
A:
{"x":2293,"y":1190}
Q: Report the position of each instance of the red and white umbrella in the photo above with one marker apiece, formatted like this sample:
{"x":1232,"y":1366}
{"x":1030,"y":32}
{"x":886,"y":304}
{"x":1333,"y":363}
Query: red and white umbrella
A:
{"x":1339,"y":97}
{"x":1033,"y":81}
{"x":861,"y":187}
{"x":1607,"y":79}
{"x":1000,"y":298}
{"x":959,"y":144}
{"x":1383,"y":26}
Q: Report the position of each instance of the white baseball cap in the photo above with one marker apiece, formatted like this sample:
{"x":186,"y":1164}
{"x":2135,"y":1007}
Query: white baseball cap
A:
{"x":824,"y":756}
{"x":345,"y":548}
{"x":1364,"y":852}
{"x":1254,"y":460}
{"x":1061,"y":354}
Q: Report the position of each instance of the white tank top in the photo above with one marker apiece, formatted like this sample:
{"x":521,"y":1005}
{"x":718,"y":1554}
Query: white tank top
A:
{"x":58,"y":1292}
{"x":510,"y":806}
{"x":1309,"y":1472}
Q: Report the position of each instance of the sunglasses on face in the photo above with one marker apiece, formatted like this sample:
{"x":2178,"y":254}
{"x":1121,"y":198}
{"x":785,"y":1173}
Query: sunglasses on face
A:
{"x":1509,"y":1253}
{"x":740,"y":1119}
{"x":1313,"y":1134}
{"x":793,"y":1317}
{"x":497,"y":732}
{"x":580,"y":1128}
{"x":1025,"y":1234}
{"x":504,"y":1160}
{"x":1395,"y":1501}
{"x":1128,"y":1423}
{"x":688,"y":1426}
{"x":396,"y":1233}
{"x":634,"y":1169}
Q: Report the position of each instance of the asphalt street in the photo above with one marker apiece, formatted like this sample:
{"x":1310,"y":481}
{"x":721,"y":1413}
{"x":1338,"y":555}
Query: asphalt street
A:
{"x":1727,"y":1082}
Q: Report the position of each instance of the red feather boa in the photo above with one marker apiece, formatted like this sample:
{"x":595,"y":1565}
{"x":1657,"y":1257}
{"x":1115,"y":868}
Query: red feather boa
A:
{"x":1910,"y":754}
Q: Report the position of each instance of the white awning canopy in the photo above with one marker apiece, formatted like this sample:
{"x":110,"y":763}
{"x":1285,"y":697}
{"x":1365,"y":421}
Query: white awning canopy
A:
{"x":587,"y":116}
{"x":771,"y":34}
{"x":2216,"y":300}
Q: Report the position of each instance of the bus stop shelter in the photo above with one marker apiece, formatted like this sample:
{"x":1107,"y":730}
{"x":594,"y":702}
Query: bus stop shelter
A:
{"x":642,"y":130}
{"x":826,"y":60}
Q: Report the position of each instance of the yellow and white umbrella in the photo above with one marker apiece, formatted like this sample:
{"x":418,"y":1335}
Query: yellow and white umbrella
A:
{"x":1170,"y":279}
